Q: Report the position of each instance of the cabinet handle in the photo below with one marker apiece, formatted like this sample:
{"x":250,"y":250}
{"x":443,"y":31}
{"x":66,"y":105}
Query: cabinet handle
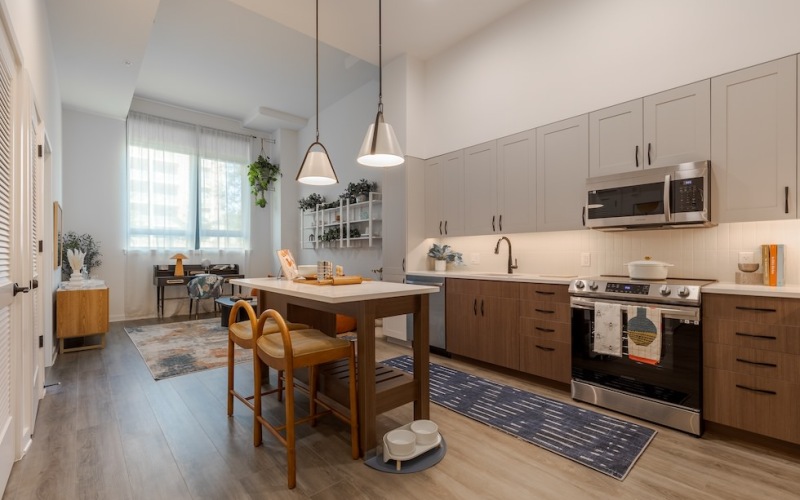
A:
{"x":786,"y":199}
{"x":754,"y":336}
{"x":649,"y":148}
{"x":757,"y":363}
{"x":475,"y":307}
{"x":440,"y":228}
{"x":445,"y":227}
{"x":404,"y":264}
{"x":756,"y":309}
{"x":482,"y":307}
{"x":583,"y":216}
{"x":544,"y":311}
{"x":548,"y":349}
{"x":636,"y":156}
{"x":493,"y":229}
{"x":546,"y":330}
{"x":760,"y":391}
{"x":501,"y":222}
{"x":544,"y":293}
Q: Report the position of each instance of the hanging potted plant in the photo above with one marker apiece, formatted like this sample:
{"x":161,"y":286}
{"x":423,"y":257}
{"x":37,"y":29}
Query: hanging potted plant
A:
{"x":261,"y":174}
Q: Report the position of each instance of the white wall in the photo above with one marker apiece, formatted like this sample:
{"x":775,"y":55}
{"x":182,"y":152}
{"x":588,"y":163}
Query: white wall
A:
{"x":343,"y":126}
{"x":554,"y":59}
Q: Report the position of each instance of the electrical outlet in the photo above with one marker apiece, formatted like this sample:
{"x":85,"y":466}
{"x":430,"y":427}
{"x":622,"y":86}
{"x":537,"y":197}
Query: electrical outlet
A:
{"x":746,"y":258}
{"x":586,"y":259}
{"x":475,"y":258}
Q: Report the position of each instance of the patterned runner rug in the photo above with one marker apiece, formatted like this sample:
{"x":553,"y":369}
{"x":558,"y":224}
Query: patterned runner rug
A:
{"x":605,"y":444}
{"x":173,"y":349}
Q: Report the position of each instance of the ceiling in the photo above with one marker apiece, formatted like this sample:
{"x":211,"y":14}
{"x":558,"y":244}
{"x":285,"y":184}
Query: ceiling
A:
{"x":248,"y":60}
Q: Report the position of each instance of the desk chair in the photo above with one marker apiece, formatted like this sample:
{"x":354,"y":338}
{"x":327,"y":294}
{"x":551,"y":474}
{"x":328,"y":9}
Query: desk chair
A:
{"x":204,"y":286}
{"x":286,"y":351}
{"x":241,"y":334}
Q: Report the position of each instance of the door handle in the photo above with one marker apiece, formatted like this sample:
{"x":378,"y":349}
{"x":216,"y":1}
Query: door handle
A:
{"x":34,"y":284}
{"x":19,"y":289}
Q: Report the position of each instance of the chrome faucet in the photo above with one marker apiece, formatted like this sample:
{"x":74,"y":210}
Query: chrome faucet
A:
{"x":497,"y":251}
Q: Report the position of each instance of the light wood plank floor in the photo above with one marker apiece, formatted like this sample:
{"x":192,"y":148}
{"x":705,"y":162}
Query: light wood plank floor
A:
{"x":110,"y":431}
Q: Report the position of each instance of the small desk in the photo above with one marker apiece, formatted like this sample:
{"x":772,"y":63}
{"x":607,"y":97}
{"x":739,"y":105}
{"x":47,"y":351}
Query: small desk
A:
{"x":166,"y":277}
{"x":225,"y":305}
{"x":318,"y":306}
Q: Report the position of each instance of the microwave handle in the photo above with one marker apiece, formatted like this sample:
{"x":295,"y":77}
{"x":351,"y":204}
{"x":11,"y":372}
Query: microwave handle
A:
{"x":667,"y":207}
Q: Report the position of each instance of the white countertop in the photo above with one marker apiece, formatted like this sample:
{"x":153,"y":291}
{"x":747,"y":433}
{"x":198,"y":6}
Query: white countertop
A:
{"x":788,"y":291}
{"x":557,"y":279}
{"x":330,"y":294}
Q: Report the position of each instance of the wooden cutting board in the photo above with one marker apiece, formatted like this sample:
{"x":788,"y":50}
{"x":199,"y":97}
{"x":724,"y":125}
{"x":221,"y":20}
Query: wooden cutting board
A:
{"x":337,"y":280}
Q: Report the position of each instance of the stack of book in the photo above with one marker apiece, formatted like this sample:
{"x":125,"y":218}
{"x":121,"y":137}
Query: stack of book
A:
{"x":773,"y":262}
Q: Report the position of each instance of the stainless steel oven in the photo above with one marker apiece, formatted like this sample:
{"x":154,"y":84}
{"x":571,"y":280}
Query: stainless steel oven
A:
{"x":614,"y":365}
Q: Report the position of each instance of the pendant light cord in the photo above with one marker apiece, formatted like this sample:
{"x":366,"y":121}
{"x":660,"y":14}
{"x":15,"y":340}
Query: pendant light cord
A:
{"x":380,"y":55}
{"x":317,"y":70}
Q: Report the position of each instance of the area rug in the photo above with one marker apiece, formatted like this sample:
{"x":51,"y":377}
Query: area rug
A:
{"x":173,"y":349}
{"x":605,"y":444}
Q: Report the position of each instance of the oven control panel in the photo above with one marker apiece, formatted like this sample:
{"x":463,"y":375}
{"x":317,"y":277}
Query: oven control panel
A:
{"x":669,"y":291}
{"x":632,"y":288}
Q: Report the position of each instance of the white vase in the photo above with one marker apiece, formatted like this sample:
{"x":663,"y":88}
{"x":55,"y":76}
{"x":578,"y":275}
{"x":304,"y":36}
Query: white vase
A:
{"x":440,"y":265}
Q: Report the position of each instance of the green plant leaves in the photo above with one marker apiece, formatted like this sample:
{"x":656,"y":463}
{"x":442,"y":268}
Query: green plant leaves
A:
{"x":261,"y":174}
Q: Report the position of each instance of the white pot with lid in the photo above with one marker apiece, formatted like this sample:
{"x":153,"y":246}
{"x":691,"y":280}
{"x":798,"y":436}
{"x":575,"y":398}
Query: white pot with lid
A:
{"x":648,"y":269}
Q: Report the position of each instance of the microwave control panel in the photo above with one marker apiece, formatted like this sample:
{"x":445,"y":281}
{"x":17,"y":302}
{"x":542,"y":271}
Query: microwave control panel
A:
{"x":687,"y":195}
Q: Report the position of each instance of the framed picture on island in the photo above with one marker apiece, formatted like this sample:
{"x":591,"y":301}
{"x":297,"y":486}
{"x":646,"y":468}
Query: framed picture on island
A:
{"x":288,"y":264}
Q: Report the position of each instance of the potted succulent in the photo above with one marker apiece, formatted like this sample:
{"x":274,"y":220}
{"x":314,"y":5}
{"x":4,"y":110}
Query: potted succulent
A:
{"x":83,"y":243}
{"x":311,"y":201}
{"x":261,"y":174}
{"x":442,"y":255}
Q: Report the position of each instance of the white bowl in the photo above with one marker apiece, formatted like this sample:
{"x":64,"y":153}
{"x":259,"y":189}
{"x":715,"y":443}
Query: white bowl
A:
{"x":426,"y":431}
{"x":307,"y":270}
{"x":401,"y":442}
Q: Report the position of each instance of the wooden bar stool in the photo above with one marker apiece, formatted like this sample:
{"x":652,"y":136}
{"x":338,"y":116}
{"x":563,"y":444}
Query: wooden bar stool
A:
{"x":241,"y":334}
{"x":286,"y":351}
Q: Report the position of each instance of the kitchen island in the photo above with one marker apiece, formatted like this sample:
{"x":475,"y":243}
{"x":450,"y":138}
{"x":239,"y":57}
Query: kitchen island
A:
{"x":317,"y":305}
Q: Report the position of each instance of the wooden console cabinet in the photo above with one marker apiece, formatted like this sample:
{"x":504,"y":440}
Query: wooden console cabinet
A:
{"x":751,"y":359}
{"x":81,"y":313}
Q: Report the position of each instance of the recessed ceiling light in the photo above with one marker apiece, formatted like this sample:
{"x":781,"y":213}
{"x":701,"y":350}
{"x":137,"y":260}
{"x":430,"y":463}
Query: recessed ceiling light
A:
{"x":126,"y":62}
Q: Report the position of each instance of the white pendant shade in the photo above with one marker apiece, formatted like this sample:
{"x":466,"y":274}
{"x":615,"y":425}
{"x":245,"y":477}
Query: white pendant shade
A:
{"x":317,"y":168}
{"x":386,"y":153}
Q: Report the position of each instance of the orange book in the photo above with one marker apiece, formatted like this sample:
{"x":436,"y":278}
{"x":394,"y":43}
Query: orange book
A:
{"x":773,"y":265}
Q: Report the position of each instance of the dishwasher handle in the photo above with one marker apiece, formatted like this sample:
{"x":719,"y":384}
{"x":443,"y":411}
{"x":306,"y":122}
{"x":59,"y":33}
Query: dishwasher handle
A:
{"x":424,"y":283}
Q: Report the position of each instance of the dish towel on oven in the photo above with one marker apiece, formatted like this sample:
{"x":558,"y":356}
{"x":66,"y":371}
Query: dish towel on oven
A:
{"x":644,"y":334}
{"x":607,"y":329}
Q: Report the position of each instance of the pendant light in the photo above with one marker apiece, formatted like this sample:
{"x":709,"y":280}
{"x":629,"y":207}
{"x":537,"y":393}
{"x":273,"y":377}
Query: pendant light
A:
{"x":380,"y":147}
{"x":317,"y":168}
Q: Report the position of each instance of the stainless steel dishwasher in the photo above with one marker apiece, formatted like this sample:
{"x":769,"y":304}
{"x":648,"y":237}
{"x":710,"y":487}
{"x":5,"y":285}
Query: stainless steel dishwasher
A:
{"x":436,"y":327}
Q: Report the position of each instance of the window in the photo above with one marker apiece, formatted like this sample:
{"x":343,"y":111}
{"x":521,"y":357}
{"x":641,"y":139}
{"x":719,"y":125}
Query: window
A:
{"x":187,"y":186}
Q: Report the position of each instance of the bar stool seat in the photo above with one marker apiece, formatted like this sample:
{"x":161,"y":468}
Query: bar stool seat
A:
{"x":289,"y":350}
{"x":241,"y":334}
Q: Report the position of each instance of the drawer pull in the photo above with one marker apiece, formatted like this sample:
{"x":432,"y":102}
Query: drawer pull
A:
{"x":544,"y":311}
{"x":753,"y":335}
{"x":546,"y":330}
{"x":548,"y":349}
{"x":174,"y":282}
{"x":760,"y":391}
{"x":545,"y":293}
{"x":756,"y":309}
{"x":757,"y":363}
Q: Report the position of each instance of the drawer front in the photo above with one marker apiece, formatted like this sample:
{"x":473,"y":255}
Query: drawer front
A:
{"x":755,"y":362}
{"x":547,"y":311}
{"x":764,"y":336}
{"x":544,"y":292}
{"x":467,"y":287}
{"x":769,"y":310}
{"x":546,"y":330}
{"x":755,"y":404}
{"x":545,"y":358}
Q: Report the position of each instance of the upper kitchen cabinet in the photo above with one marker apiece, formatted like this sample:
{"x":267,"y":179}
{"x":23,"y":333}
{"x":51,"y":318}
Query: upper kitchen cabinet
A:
{"x":754,"y":143}
{"x":664,"y":129}
{"x":562,"y":165}
{"x":516,"y":182}
{"x":615,"y":139}
{"x":480,"y":188}
{"x":444,"y":195}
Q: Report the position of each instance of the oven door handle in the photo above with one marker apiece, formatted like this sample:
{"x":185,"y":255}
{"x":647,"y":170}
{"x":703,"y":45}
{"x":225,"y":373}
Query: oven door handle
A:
{"x":692,"y":315}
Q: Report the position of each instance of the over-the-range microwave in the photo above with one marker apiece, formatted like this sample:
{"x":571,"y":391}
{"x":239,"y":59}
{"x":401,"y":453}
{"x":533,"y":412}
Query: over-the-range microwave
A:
{"x":664,"y":197}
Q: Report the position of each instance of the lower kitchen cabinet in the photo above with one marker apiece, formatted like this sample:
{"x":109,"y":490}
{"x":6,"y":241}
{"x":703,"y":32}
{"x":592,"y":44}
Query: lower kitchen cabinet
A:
{"x":482,"y":319}
{"x":751,"y":364}
{"x":544,"y":331}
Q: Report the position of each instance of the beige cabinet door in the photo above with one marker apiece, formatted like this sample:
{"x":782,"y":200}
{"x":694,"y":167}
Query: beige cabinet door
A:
{"x":754,"y":143}
{"x":615,"y":139}
{"x":434,"y":217}
{"x":677,"y":126}
{"x":562,"y":166}
{"x":453,"y":201}
{"x":480,"y":188}
{"x":516,"y":181}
